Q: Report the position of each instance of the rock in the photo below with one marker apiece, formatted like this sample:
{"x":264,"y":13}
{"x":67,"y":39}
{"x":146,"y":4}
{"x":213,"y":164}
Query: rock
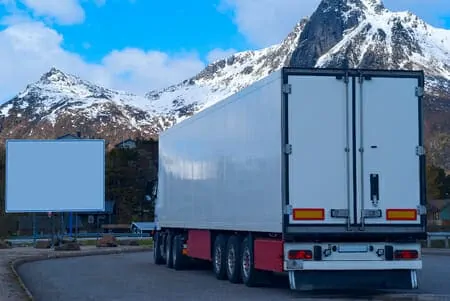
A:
{"x":5,"y":244}
{"x":70,"y":246}
{"x":107,"y":241}
{"x":43,"y":244}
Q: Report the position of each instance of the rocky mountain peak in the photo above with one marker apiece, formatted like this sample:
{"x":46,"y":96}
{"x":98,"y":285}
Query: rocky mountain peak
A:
{"x":55,"y":75}
{"x":364,"y":34}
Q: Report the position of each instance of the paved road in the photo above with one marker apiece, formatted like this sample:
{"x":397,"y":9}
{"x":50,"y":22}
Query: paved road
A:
{"x":125,"y":277}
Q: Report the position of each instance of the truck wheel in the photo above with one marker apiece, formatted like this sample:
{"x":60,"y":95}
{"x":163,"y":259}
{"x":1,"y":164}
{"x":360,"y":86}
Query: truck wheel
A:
{"x":234,"y":259}
{"x":178,"y":258}
{"x":250,"y":276}
{"x":169,"y":261}
{"x":219,"y":257}
{"x":157,"y":252}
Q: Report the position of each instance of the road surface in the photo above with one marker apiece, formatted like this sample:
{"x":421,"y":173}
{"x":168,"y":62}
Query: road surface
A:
{"x":124,"y":277}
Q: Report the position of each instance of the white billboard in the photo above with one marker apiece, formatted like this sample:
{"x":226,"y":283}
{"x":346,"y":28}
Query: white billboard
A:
{"x":55,"y":175}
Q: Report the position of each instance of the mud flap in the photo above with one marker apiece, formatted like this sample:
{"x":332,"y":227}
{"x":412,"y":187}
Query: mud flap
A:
{"x":352,"y":280}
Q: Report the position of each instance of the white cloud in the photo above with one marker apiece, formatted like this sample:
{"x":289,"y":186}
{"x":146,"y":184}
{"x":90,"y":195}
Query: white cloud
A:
{"x":64,"y":12}
{"x":136,"y":70}
{"x":218,"y":53}
{"x":266,"y":22}
{"x":31,"y":48}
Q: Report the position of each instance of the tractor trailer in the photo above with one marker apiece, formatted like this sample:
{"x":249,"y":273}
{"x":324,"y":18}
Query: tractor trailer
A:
{"x":317,"y":173}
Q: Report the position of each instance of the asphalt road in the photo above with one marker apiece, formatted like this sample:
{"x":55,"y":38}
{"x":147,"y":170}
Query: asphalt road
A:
{"x":124,"y":277}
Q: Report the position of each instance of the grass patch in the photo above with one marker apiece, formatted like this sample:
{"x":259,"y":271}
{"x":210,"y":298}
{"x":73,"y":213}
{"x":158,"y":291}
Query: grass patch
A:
{"x":435,"y":244}
{"x":90,"y":242}
{"x":146,"y":242}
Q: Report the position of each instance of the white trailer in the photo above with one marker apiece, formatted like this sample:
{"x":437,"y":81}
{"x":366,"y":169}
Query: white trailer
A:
{"x":308,"y":171}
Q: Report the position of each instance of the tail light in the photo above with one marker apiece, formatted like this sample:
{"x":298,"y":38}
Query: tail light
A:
{"x":406,"y":254}
{"x":300,"y":254}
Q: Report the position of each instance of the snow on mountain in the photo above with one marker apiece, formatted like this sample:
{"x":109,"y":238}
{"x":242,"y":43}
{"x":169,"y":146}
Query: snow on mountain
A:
{"x":60,"y":103}
{"x":340,"y":33}
{"x":223,"y":78}
{"x":369,"y":35}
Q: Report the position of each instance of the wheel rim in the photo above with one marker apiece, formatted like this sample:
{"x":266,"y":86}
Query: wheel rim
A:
{"x":161,"y":246}
{"x":231,"y":260}
{"x":168,"y":250}
{"x":174,"y":253}
{"x":246,"y":262}
{"x":218,"y":259}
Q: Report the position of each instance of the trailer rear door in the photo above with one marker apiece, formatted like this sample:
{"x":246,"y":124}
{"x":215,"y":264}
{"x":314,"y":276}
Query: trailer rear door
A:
{"x":354,"y":152}
{"x":319,"y":164}
{"x":388,"y":135}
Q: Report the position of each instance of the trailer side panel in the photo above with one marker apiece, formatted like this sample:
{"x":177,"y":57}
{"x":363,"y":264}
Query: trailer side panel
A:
{"x":221,"y":169}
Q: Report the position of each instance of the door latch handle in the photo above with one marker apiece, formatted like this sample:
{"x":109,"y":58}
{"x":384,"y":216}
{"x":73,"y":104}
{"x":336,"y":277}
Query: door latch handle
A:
{"x":374,"y":188}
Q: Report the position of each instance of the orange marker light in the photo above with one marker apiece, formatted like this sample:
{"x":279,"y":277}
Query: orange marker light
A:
{"x":401,"y":214}
{"x":309,"y":214}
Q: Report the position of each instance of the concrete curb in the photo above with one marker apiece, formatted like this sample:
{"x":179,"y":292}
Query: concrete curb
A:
{"x":15,"y":263}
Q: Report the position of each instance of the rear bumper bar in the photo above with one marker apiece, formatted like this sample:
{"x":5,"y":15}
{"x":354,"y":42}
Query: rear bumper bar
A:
{"x":346,"y":265}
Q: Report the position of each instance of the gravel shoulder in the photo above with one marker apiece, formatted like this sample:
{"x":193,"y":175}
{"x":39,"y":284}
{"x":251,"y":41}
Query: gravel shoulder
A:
{"x":11,"y":286}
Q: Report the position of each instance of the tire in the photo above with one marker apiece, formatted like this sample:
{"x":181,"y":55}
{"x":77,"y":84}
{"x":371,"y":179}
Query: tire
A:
{"x":234,"y":259}
{"x":219,"y":257}
{"x":168,"y":249}
{"x":157,"y":252}
{"x":178,"y":259}
{"x":249,"y":275}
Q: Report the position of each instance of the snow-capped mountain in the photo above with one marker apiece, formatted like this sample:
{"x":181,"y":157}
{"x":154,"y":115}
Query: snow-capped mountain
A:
{"x":340,"y":33}
{"x":224,"y":77}
{"x":61,"y":103}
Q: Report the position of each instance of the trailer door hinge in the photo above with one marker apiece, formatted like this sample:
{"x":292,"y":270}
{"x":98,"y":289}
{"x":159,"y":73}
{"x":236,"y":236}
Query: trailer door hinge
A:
{"x":419,"y":91}
{"x":288,"y":209}
{"x":287,"y":88}
{"x":288,"y":149}
{"x":420,"y":150}
{"x":421,"y":210}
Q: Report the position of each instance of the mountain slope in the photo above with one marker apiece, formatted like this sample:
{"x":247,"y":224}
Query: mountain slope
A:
{"x":366,"y":34}
{"x":340,"y":33}
{"x":60,"y":103}
{"x":223,"y":78}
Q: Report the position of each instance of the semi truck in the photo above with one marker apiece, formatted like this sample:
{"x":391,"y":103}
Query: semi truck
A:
{"x":316,"y":173}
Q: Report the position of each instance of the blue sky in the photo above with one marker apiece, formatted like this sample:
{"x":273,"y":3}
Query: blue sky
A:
{"x":197,"y":27}
{"x":139,"y":45}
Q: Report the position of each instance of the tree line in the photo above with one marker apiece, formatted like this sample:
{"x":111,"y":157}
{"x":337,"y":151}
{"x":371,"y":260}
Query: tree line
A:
{"x":129,"y":177}
{"x":131,"y":173}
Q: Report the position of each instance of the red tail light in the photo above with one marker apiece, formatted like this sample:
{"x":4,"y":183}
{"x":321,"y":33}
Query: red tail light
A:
{"x":300,"y":254}
{"x":406,"y":254}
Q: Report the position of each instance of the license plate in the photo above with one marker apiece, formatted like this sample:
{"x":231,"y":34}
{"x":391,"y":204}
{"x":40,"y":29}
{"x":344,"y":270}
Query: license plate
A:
{"x":353,"y":249}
